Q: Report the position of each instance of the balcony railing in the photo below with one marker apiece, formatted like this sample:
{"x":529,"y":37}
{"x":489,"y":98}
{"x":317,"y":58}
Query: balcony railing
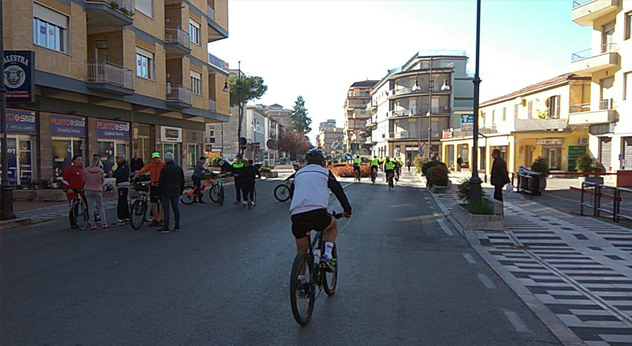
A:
{"x":215,"y":61}
{"x":123,"y":6}
{"x":460,"y":133}
{"x":578,"y":3}
{"x":418,"y":111}
{"x":587,"y":53}
{"x":210,"y":12}
{"x":177,"y":36}
{"x":177,"y":93}
{"x":578,"y":108}
{"x":212,"y":105}
{"x":606,"y":104}
{"x":108,"y":73}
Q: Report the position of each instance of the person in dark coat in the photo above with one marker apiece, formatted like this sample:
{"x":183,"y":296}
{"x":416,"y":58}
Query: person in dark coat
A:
{"x":122,"y":185}
{"x":249,"y":174}
{"x":500,"y":176}
{"x":170,"y":186}
{"x":237,"y":169}
{"x":137,"y":163}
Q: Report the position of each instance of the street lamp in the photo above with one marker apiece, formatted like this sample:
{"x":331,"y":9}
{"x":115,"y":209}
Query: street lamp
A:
{"x":430,"y":87}
{"x":241,"y":103}
{"x":475,"y":180}
{"x":6,"y":191}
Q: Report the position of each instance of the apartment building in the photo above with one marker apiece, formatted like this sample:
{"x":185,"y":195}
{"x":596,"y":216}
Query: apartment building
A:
{"x":607,"y":102}
{"x":330,"y":138}
{"x":280,"y":114}
{"x":358,"y":96}
{"x":525,"y":124}
{"x":109,"y":77}
{"x":431,"y":90}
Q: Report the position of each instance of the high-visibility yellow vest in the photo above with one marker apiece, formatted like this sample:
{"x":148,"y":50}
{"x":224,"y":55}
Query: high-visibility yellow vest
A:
{"x":358,"y":161}
{"x":375,"y":162}
{"x":389,"y":165}
{"x":238,"y":165}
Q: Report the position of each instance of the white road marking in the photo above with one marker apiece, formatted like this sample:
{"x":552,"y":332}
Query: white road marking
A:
{"x":516,"y":321}
{"x":469,"y":258}
{"x":486,"y":281}
{"x":445,"y":228}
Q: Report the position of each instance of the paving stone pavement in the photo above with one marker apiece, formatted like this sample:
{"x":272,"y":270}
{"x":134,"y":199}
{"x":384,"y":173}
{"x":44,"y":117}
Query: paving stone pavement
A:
{"x":578,"y":267}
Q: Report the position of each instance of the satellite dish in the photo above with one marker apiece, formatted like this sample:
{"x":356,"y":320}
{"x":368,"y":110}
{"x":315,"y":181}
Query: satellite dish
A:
{"x":271,"y":144}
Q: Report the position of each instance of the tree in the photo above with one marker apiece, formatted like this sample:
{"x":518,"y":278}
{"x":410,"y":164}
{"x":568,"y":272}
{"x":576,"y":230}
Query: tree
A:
{"x":246,"y":94}
{"x":300,"y":119}
{"x":293,"y":142}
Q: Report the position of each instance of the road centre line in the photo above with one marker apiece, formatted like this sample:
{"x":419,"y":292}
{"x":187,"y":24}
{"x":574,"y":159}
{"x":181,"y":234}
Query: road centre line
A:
{"x":516,"y":321}
{"x":486,"y":281}
{"x":469,"y":258}
{"x":445,"y":228}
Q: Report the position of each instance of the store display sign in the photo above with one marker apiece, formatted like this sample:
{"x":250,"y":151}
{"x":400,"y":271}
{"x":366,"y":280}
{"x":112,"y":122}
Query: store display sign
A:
{"x":550,"y":141}
{"x":21,"y":122}
{"x":67,"y":125}
{"x":447,"y":133}
{"x":19,"y":76}
{"x":171,"y":134}
{"x":574,"y":152}
{"x":111,"y":129}
{"x":467,"y":121}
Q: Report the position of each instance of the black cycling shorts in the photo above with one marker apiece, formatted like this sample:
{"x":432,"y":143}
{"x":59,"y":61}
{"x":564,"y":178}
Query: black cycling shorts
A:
{"x":356,"y":168}
{"x":317,"y":220}
{"x":154,"y":196}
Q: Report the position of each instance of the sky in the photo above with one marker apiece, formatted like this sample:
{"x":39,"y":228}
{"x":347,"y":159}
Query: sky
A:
{"x":318,"y":48}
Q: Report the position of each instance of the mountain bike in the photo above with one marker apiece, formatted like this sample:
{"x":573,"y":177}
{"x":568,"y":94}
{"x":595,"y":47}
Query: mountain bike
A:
{"x":373,"y":174}
{"x":141,"y":207}
{"x":390,"y":177}
{"x":318,"y":278}
{"x":217,"y":194}
{"x":282,"y":191}
{"x":215,"y":187}
{"x":79,"y":209}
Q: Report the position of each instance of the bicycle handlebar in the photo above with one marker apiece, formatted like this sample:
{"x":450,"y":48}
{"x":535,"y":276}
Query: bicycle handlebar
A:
{"x":337,"y":215}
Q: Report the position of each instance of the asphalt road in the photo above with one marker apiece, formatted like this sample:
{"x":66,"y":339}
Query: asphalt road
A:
{"x":404,"y":279}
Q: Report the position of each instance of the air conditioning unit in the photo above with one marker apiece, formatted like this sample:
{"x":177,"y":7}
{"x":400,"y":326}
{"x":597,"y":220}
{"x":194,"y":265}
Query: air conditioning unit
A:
{"x":583,"y":140}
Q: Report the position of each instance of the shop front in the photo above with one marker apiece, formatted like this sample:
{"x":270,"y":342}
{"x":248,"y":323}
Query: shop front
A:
{"x":560,"y":150}
{"x":144,"y":140}
{"x":193,"y":140}
{"x":113,"y":138}
{"x":171,"y":142}
{"x":68,"y":138}
{"x":22,"y":146}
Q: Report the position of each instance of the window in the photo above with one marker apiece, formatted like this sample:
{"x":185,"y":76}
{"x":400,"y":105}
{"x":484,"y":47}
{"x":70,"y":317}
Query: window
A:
{"x":628,"y":25}
{"x":530,"y":110}
{"x":494,"y":116}
{"x":553,"y":107}
{"x":504,"y":113}
{"x":196,"y":83}
{"x":627,"y":84}
{"x":144,"y":63}
{"x":50,"y":28}
{"x":145,"y":6}
{"x":516,"y":108}
{"x":194,"y":31}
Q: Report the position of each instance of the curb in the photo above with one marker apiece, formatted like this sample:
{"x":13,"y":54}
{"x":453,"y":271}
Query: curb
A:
{"x":24,"y":221}
{"x":544,"y":314}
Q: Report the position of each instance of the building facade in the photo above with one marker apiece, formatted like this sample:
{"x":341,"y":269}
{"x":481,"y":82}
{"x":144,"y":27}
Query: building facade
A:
{"x":355,"y":112}
{"x":607,"y":102}
{"x":430,"y":91}
{"x":524,"y":125}
{"x":113,"y":77}
{"x":330,"y":138}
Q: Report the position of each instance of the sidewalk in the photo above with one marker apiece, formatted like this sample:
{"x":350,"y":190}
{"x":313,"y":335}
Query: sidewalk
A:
{"x":580,"y":268}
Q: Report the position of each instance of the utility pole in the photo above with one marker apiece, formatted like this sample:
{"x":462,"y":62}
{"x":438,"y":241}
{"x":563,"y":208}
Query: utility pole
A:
{"x":475,"y":180}
{"x":241,"y":109}
{"x":6,"y":191}
{"x":430,"y":87}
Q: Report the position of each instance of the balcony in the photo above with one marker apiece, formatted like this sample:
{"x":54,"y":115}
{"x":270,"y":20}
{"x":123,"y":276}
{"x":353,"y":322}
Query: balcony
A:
{"x":525,"y":125}
{"x":177,"y":42}
{"x":110,"y":78}
{"x":606,"y":114}
{"x":357,"y":105}
{"x":418,"y":111}
{"x":217,"y":62}
{"x":588,"y":61}
{"x":109,"y":13}
{"x":359,"y":96}
{"x":485,"y":130}
{"x":210,"y":12}
{"x":585,"y":12}
{"x":212,"y":105}
{"x":178,"y":96}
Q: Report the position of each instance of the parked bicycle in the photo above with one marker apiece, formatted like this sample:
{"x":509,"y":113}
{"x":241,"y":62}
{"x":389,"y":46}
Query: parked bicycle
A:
{"x":140,"y":211}
{"x":79,"y":209}
{"x":215,"y":187}
{"x":282,"y":191}
{"x":303,"y":295}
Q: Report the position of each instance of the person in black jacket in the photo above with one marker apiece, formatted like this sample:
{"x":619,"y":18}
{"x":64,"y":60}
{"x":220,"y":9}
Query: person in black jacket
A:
{"x":122,"y":185}
{"x":500,"y":177}
{"x":248,"y":176}
{"x":170,"y":186}
{"x":237,"y":169}
{"x":137,"y":163}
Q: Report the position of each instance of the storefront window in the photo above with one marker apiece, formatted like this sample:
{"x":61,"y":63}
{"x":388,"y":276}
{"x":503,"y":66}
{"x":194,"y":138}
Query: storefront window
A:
{"x":553,"y":155}
{"x":106,"y":153}
{"x":194,"y":152}
{"x":173,"y":148}
{"x":63,"y":151}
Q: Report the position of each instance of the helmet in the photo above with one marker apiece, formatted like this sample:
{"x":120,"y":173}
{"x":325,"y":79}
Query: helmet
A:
{"x":155,"y":155}
{"x":315,"y":156}
{"x":388,"y":158}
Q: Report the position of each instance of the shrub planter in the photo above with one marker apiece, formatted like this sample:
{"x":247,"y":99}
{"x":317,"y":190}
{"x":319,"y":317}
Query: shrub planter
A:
{"x":440,"y":189}
{"x":24,"y":195}
{"x":472,"y":222}
{"x":50,"y":195}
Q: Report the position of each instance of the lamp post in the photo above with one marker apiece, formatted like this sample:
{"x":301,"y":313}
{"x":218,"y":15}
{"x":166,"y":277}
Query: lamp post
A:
{"x":430,"y":87}
{"x":475,"y":180}
{"x":241,"y":103}
{"x":6,"y":191}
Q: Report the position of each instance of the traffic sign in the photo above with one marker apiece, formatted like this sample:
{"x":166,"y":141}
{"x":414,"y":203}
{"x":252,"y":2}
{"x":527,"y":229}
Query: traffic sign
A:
{"x":421,"y":152}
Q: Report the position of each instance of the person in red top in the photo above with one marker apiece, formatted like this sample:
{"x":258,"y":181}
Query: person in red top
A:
{"x":72,"y":180}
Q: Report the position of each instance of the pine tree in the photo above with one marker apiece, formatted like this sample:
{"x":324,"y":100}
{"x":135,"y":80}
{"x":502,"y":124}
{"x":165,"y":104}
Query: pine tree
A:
{"x":300,"y":119}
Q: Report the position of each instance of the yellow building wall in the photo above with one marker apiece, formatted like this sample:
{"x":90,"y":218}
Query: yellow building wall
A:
{"x":222,"y":98}
{"x":221,"y":13}
{"x":524,"y":139}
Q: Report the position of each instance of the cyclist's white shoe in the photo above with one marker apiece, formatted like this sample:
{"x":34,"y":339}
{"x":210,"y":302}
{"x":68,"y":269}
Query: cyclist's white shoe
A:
{"x":329,"y":263}
{"x":244,"y":203}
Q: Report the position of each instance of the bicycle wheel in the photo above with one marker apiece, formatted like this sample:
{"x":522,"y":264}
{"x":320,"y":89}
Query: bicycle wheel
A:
{"x":221,"y":196}
{"x":213,"y":193}
{"x":302,"y":306}
{"x":80,"y":214}
{"x":188,"y":196}
{"x":137,"y":217}
{"x":331,"y":279}
{"x":282,"y":193}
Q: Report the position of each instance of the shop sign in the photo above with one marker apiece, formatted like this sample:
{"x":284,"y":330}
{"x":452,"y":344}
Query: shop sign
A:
{"x":21,"y":122}
{"x":550,"y":141}
{"x":467,"y":121}
{"x":67,"y":125}
{"x":447,"y":133}
{"x":19,"y":76}
{"x":113,"y":129}
{"x":574,"y":152}
{"x":171,"y":134}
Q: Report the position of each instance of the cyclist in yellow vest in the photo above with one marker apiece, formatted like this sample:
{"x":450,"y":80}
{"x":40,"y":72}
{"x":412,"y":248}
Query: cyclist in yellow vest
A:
{"x":237,"y":169}
{"x":375,"y":163}
{"x":356,"y":166}
{"x":389,"y":168}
